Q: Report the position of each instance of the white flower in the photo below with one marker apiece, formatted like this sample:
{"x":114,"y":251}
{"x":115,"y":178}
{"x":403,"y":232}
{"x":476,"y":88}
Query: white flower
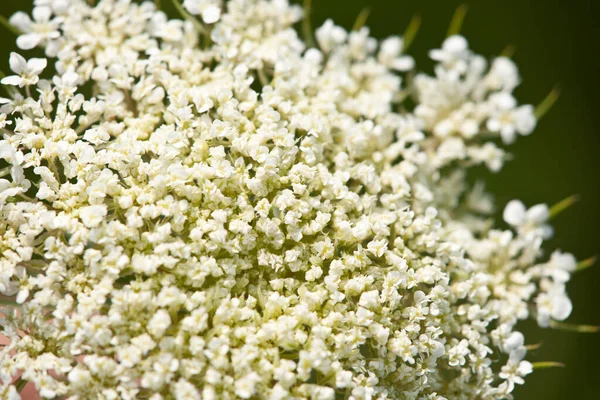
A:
{"x":184,"y":390}
{"x":453,"y":54}
{"x":38,"y":31}
{"x":503,"y":75}
{"x":159,"y":323}
{"x":508,"y":119}
{"x":210,"y":10}
{"x":516,"y":214}
{"x":234,"y":215}
{"x":560,"y":266}
{"x":245,"y":386}
{"x":389,"y":55}
{"x":330,"y":35}
{"x":92,"y":216}
{"x":553,"y":304}
{"x":27,"y":71}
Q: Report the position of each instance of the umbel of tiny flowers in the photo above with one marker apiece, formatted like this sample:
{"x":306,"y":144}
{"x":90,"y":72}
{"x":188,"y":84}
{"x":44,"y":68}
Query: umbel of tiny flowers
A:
{"x":215,"y":207}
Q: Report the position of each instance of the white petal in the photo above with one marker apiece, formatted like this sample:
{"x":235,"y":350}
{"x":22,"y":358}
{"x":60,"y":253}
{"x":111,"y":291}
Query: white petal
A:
{"x":28,"y":41}
{"x":193,"y":6}
{"x":42,"y":14}
{"x":37,"y":65}
{"x":508,"y":134}
{"x":564,"y":261}
{"x":538,"y":214}
{"x":504,"y":101}
{"x":4,"y":185}
{"x":438,"y":55}
{"x":7,"y":152}
{"x":22,"y":296}
{"x":12,"y":80}
{"x":405,"y":63}
{"x":514,"y":213}
{"x":455,"y":44}
{"x":211,"y":14}
{"x":70,"y":78}
{"x":92,"y":216}
{"x":525,"y":121}
{"x":514,"y":341}
{"x":21,"y":20}
{"x":561,"y":307}
{"x":392,"y":46}
{"x":17,"y":63}
{"x":494,"y":125}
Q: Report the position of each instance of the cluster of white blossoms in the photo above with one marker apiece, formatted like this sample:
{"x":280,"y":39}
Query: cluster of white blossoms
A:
{"x":211,"y":208}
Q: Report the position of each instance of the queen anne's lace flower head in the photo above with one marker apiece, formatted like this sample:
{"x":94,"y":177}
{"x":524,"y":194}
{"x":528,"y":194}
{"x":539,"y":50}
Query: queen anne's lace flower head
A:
{"x":213,"y":209}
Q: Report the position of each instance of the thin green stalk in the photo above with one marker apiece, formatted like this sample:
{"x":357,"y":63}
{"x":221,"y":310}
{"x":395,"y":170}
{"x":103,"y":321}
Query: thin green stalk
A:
{"x":307,"y":30}
{"x":531,"y":347}
{"x":188,"y":16}
{"x":361,"y":20}
{"x":547,"y":364}
{"x":411,"y":31}
{"x":13,"y":29}
{"x":509,"y":51}
{"x":457,"y":20}
{"x":562,"y":326}
{"x":563,"y":205}
{"x":588,"y":262}
{"x":547,"y":103}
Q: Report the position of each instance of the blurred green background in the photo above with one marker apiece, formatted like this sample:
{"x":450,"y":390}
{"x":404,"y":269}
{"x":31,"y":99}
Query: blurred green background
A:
{"x":557,"y":42}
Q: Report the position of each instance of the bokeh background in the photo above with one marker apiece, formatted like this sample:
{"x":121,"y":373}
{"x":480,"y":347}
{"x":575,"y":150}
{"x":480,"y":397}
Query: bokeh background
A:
{"x":557,"y":42}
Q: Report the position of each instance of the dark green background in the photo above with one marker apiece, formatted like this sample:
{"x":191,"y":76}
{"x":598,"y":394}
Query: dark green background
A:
{"x":557,"y":42}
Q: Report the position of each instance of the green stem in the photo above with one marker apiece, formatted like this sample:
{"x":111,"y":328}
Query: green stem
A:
{"x":8,"y":302}
{"x":307,"y":30}
{"x":188,"y":16}
{"x":20,"y":384}
{"x":13,"y":29}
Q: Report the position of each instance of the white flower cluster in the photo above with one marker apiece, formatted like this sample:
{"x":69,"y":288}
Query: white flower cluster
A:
{"x":210,"y":209}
